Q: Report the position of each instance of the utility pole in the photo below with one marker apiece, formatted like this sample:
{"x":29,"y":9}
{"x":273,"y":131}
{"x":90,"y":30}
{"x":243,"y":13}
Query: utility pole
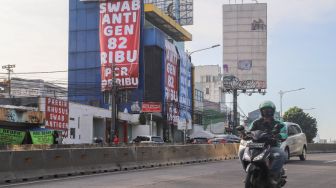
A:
{"x":113,"y":104}
{"x":235,"y":111}
{"x":9,"y":69}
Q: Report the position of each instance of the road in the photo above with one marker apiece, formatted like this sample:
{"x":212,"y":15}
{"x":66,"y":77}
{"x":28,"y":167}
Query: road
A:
{"x":317,"y":172}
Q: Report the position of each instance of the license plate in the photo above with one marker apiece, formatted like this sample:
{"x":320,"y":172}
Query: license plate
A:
{"x":255,"y":145}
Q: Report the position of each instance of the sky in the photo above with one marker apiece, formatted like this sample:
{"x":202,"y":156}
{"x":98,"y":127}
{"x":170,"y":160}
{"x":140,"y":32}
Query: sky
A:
{"x":301,"y":48}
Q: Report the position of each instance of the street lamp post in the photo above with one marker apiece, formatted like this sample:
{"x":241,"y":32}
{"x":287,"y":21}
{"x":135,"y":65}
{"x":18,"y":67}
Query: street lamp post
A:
{"x":308,"y":108}
{"x":213,"y":46}
{"x":281,"y":96}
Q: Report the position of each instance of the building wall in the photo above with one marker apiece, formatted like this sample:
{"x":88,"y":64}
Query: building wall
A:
{"x":88,"y":122}
{"x":84,"y":58}
{"x":207,"y":77}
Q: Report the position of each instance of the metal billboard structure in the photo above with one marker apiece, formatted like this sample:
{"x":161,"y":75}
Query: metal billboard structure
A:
{"x":245,"y":46}
{"x":180,"y":10}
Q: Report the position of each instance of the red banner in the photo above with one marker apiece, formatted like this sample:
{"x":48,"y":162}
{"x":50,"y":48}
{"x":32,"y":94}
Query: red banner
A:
{"x":171,"y":83}
{"x":119,"y":33}
{"x":56,"y":114}
{"x":151,"y":107}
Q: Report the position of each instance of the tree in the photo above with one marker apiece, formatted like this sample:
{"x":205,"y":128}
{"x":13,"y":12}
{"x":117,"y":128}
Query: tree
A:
{"x":308,"y":123}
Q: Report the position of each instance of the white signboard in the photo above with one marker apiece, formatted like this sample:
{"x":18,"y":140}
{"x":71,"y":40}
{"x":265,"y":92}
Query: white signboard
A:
{"x":245,"y":44}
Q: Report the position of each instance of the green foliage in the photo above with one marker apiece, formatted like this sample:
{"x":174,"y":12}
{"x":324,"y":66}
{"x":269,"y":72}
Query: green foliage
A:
{"x":308,"y":123}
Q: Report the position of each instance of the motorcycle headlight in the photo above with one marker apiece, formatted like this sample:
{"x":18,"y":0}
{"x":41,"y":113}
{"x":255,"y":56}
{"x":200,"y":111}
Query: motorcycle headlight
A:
{"x":246,"y":156}
{"x":260,"y":156}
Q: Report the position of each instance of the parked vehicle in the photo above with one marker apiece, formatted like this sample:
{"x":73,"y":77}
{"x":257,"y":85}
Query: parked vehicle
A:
{"x":217,"y":141}
{"x":229,"y":138}
{"x":199,"y":140}
{"x":296,"y":143}
{"x":148,"y":139}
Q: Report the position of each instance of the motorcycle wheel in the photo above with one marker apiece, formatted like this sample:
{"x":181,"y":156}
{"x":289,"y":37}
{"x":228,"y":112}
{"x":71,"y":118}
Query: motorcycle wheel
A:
{"x":249,"y":180}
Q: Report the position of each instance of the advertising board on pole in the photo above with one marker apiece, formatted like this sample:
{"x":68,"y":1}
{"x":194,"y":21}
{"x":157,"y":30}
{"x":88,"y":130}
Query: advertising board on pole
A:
{"x":171,"y":83}
{"x":185,"y":94}
{"x":119,"y":35}
{"x":57,"y":114}
{"x":245,"y":44}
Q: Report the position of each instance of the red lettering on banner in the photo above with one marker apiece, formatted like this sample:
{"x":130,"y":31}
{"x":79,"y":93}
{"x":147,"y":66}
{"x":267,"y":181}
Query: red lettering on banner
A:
{"x":119,"y":42}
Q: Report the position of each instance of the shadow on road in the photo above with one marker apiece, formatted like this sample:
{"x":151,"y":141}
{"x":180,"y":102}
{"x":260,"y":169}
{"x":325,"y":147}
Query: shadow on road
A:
{"x":310,"y":163}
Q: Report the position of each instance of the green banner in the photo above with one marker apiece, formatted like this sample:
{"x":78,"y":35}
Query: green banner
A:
{"x":42,"y":137}
{"x":11,"y":136}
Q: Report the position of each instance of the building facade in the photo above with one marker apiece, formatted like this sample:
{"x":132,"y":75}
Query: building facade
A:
{"x":159,"y":37}
{"x":208,"y":78}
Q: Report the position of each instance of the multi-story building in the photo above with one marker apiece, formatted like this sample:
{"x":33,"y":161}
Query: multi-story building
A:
{"x":208,"y":78}
{"x":20,"y":87}
{"x":160,"y":36}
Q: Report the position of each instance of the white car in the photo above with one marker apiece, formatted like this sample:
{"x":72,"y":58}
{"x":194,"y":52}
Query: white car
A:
{"x":296,"y":143}
{"x":148,"y":139}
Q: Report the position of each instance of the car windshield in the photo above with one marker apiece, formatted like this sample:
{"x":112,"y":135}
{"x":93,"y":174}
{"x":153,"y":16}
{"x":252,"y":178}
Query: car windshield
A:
{"x":157,"y":139}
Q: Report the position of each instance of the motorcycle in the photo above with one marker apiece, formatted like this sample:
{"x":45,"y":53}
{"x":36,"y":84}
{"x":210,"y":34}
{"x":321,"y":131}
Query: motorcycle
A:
{"x":257,"y":160}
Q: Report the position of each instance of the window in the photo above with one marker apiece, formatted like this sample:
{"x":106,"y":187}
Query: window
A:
{"x":208,"y":78}
{"x":78,"y":122}
{"x":72,"y":119}
{"x":292,"y":130}
{"x":198,"y":95}
{"x":297,"y":128}
{"x":125,"y":96}
{"x":72,"y":133}
{"x":207,"y":91}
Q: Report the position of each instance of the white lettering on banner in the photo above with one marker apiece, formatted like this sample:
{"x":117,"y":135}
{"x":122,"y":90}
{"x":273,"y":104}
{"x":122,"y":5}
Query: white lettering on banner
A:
{"x":119,"y":30}
{"x":119,"y":57}
{"x":56,"y":114}
{"x":118,"y":7}
{"x":119,"y":42}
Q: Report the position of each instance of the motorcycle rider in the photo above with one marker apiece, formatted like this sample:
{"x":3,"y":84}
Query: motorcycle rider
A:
{"x":278,"y":129}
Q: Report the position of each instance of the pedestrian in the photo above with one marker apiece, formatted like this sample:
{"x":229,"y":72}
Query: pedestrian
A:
{"x":116,"y":140}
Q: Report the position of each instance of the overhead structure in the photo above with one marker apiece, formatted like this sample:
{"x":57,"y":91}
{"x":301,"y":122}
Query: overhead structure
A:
{"x":166,"y":23}
{"x":179,"y":10}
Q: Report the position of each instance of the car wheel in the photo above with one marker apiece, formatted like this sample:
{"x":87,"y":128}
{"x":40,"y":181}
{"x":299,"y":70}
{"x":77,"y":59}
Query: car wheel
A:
{"x":287,"y":154}
{"x":303,"y":156}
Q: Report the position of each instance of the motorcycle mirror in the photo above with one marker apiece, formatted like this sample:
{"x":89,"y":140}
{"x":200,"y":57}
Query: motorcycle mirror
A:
{"x":240,"y":128}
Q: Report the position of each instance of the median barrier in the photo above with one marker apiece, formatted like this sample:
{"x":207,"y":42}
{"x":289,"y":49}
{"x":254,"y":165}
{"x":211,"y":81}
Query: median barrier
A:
{"x":27,"y":165}
{"x":57,"y":162}
{"x":321,"y":148}
{"x":126,"y":158}
{"x":6,"y":172}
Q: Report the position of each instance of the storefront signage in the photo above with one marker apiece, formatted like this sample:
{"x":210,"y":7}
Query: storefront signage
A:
{"x":11,"y":137}
{"x":151,"y":107}
{"x":57,"y":114}
{"x":42,"y":137}
{"x":171,"y":83}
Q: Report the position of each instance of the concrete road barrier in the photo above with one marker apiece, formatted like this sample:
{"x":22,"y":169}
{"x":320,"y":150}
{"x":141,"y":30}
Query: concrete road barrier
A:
{"x":51,"y":162}
{"x":321,"y":148}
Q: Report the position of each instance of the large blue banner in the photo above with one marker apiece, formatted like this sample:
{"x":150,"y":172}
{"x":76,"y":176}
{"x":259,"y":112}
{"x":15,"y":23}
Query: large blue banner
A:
{"x":185,"y":93}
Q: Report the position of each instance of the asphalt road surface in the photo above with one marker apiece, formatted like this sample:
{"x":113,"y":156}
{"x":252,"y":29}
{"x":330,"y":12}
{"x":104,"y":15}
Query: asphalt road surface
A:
{"x":319,"y":171}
